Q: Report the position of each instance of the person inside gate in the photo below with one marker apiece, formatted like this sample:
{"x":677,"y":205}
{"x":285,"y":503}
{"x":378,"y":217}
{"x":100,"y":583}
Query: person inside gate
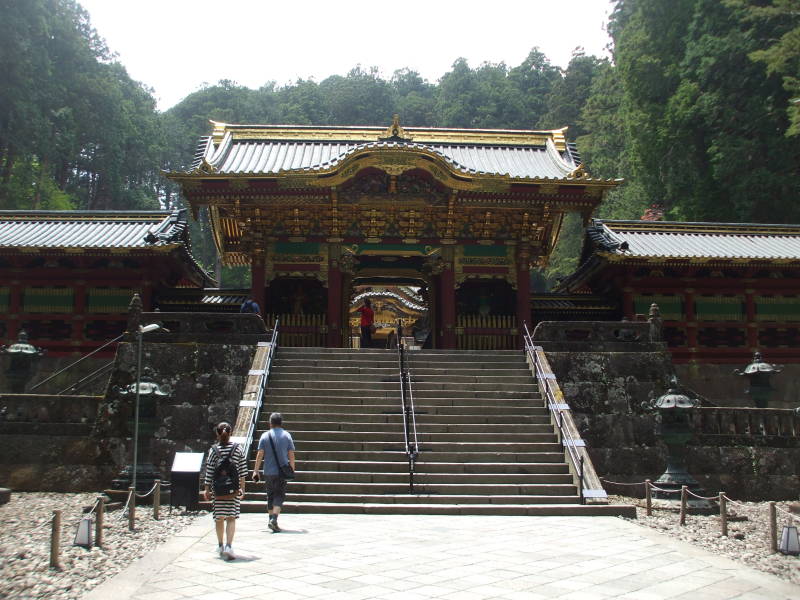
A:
{"x":275,"y":449}
{"x":367,"y":323}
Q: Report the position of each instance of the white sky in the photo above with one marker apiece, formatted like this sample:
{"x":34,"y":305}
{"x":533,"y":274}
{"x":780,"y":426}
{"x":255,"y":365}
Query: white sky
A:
{"x":174,"y":46}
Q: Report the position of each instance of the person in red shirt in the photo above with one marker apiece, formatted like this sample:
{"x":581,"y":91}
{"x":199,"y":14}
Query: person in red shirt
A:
{"x":367,"y":319}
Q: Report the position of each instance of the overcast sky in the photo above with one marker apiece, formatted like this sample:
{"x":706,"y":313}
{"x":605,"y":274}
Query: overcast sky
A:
{"x":174,"y":46}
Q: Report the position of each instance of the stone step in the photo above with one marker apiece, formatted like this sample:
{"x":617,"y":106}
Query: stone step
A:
{"x":304,"y":378}
{"x":394,"y":393}
{"x":331,"y":420}
{"x":430,"y":448}
{"x":393,"y":387}
{"x":390,"y":360}
{"x":310,"y":457}
{"x":403,"y":496}
{"x":401,"y":477}
{"x":429,"y":468}
{"x":424,"y":435}
{"x":456,"y":408}
{"x":397,"y":508}
{"x":396,"y":425}
{"x":475,"y":492}
{"x":392,"y":372}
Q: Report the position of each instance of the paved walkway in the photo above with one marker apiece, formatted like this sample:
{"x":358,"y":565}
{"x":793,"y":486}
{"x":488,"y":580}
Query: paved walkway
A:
{"x":449,"y":557}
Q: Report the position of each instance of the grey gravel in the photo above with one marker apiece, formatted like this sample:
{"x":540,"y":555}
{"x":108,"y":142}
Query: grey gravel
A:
{"x":747,"y":540}
{"x":25,"y":545}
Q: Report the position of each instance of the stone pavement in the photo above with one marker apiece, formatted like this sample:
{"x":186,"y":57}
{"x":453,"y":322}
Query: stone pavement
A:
{"x":449,"y":557}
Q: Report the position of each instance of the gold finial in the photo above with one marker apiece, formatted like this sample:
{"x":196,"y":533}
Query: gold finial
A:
{"x":395,"y":131}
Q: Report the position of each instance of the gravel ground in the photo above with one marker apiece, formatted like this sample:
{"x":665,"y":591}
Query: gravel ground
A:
{"x":25,"y":545}
{"x":747,"y":541}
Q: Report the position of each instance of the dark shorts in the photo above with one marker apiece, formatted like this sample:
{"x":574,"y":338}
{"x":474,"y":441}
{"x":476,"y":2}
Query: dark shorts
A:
{"x":276,"y":490}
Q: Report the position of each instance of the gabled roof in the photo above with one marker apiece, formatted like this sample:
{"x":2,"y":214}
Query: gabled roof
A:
{"x":271,"y":150}
{"x":670,"y":239}
{"x":135,"y":231}
{"x":91,"y":229}
{"x":642,"y":242}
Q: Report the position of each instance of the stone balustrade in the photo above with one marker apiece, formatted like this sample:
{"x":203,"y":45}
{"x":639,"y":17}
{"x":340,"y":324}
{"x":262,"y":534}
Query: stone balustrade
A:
{"x":751,"y":422}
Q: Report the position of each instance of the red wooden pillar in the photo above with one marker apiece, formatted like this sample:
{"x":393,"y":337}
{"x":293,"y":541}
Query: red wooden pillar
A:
{"x":447,"y":294}
{"x":334,"y":304}
{"x":257,"y":282}
{"x":750,"y":315}
{"x":628,"y":306}
{"x":691,"y":320}
{"x":14,"y":310}
{"x":523,"y":292}
{"x":147,"y":296}
{"x":78,"y":312}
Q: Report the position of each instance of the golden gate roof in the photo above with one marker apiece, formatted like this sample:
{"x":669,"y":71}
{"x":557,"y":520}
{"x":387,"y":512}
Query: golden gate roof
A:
{"x":272,"y":150}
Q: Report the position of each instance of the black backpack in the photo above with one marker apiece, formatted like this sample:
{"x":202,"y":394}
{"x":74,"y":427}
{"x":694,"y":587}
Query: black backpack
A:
{"x":226,"y":476}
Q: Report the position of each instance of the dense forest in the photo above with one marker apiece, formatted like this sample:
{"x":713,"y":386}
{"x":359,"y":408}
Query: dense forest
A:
{"x":698,"y":110}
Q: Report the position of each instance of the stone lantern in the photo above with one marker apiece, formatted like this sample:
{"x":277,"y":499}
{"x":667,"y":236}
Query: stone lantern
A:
{"x":758,"y":373}
{"x":674,"y":409}
{"x":23,"y":359}
{"x":143,"y":423}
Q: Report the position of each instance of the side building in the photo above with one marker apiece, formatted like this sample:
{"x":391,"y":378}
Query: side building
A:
{"x":724,"y":290}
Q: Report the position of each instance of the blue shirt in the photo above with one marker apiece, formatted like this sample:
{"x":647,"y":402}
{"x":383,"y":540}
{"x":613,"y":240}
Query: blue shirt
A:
{"x":283,"y":443}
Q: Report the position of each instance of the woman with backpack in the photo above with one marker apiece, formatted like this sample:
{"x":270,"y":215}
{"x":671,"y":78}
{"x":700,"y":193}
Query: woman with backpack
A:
{"x":226,"y":468}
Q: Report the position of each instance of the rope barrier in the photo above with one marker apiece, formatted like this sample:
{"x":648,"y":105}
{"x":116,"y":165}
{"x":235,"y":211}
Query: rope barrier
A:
{"x":152,"y":489}
{"x":658,"y":489}
{"x":40,"y":525}
{"x":621,"y":483}
{"x":96,"y":504}
{"x":691,"y":493}
{"x":786,"y":512}
{"x":735,"y":502}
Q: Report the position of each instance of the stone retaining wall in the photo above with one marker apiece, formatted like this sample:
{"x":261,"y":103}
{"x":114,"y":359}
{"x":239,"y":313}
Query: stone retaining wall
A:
{"x":605,"y":384}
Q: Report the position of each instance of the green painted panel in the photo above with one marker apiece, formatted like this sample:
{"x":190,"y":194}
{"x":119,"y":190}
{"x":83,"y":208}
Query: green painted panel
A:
{"x":719,"y":308}
{"x":296,"y":247}
{"x":778,"y":308}
{"x":478,"y":250}
{"x":48,"y":300}
{"x":671,"y":307}
{"x":4,"y":292}
{"x":108,"y":300}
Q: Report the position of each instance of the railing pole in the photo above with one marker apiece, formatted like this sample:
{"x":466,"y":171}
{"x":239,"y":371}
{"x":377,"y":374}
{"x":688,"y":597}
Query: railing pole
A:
{"x":683,"y":504}
{"x":157,"y":499}
{"x":99,"y":522}
{"x":580,"y":481}
{"x":131,"y":508}
{"x":55,"y":540}
{"x":723,"y":513}
{"x":773,"y":528}
{"x":648,"y":498}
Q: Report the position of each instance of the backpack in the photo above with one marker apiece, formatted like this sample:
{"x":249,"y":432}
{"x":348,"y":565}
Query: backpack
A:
{"x":226,"y":476}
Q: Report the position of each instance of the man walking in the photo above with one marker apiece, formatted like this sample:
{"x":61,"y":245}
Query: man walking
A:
{"x":275,"y":448}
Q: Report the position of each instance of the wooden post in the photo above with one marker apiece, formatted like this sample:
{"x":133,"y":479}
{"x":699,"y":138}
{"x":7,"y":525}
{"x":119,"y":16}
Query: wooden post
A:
{"x":101,"y":515}
{"x":157,"y":499}
{"x":131,"y":508}
{"x":55,"y":540}
{"x":683,"y":504}
{"x":773,"y":528}
{"x":723,"y":513}
{"x":648,"y":498}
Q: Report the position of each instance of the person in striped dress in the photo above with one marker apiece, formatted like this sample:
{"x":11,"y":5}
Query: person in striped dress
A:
{"x":226,"y":509}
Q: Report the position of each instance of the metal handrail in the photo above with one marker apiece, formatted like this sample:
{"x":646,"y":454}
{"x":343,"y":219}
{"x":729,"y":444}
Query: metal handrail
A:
{"x":409,"y":419}
{"x":557,"y":411}
{"x":81,"y":359}
{"x":90,"y":377}
{"x":273,"y":343}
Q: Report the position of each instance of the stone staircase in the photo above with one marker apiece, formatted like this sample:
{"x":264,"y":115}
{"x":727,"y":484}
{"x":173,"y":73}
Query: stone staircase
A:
{"x":486,"y":442}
